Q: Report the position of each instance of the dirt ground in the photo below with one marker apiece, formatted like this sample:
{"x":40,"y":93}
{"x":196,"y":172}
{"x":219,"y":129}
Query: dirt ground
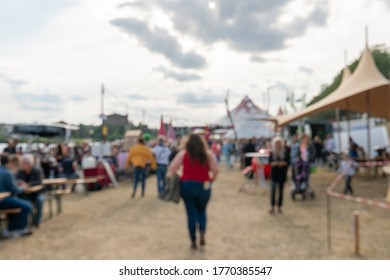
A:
{"x":109,"y":225}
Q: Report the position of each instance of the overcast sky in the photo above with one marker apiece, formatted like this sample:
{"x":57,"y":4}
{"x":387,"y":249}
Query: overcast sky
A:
{"x":176,"y":58}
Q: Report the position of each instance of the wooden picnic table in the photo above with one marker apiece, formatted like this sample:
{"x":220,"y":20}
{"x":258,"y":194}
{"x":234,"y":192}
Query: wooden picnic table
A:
{"x":84,"y":182}
{"x":56,"y":192}
{"x":4,"y":195}
{"x":34,"y":189}
{"x":54,"y":181}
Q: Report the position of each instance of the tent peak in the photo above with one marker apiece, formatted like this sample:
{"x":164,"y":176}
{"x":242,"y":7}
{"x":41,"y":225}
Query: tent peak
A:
{"x":248,"y":105}
{"x":247,"y":99}
{"x":345,"y":75}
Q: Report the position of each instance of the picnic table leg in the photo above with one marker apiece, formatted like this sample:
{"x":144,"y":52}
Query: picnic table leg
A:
{"x":50,"y":205}
{"x":31,"y":219}
{"x":59,"y":204}
{"x":86,"y":189}
{"x":388,"y":192}
{"x":3,"y":226}
{"x":386,"y":172}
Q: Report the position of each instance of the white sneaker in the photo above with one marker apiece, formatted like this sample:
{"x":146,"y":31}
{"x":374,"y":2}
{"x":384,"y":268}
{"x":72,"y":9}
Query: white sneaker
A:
{"x":19,"y":233}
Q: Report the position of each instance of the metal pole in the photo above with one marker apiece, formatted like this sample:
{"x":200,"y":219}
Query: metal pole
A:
{"x":102,"y":101}
{"x":51,"y":203}
{"x":339,"y":129}
{"x":356,"y":224}
{"x":231,"y":117}
{"x":348,"y":121}
{"x":388,"y":92}
{"x":103,"y":117}
{"x":329,"y":228}
{"x":368,"y":126}
{"x":268,"y":100}
{"x":366,"y":37}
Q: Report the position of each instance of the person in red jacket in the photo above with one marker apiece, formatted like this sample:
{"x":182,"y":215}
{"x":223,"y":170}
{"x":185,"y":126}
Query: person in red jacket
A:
{"x":199,"y":170}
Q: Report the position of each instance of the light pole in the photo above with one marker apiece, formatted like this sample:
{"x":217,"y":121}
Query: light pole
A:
{"x":104,"y":131}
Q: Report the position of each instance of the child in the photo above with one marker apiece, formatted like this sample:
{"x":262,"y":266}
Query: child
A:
{"x":348,"y":168}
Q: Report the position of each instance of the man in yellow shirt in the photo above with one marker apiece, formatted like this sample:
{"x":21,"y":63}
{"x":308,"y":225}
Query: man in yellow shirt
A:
{"x":139,"y":156}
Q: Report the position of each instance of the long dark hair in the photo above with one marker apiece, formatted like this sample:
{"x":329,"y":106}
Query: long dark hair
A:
{"x":196,"y":149}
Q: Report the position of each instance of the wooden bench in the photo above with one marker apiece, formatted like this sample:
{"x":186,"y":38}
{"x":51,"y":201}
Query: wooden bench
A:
{"x":3,"y":218}
{"x":4,"y":195}
{"x":5,"y":212}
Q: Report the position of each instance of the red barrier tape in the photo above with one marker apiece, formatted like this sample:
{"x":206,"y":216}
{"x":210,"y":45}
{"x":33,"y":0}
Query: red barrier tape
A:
{"x":373,"y":163}
{"x":370,"y":202}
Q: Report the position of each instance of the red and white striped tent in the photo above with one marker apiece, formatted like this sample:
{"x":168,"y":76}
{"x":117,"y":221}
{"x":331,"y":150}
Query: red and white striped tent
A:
{"x":249,"y":120}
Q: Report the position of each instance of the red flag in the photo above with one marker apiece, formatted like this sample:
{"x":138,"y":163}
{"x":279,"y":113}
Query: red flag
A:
{"x":207,"y":132}
{"x":161,"y":131}
{"x":171,"y":132}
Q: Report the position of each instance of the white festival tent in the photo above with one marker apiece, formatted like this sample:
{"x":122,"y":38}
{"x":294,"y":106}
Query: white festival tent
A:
{"x":249,"y":121}
{"x":365,"y":91}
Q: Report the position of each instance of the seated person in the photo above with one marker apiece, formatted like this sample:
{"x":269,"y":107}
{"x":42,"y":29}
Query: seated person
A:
{"x":30,"y":176}
{"x":18,"y":223}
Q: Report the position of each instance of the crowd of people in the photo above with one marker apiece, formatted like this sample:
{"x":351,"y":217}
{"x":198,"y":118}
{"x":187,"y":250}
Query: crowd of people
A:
{"x":20,"y":172}
{"x":196,"y":157}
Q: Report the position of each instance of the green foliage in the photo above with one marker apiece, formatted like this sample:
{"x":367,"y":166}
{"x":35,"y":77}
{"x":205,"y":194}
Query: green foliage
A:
{"x":114,"y":132}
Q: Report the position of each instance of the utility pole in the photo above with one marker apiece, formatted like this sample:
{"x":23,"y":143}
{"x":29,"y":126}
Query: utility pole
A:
{"x":268,"y":99}
{"x":104,"y":131}
{"x":230,"y":116}
{"x":102,"y":101}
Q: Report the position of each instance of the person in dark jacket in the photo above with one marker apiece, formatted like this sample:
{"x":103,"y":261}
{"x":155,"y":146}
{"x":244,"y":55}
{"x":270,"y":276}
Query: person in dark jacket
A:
{"x":279,"y":160}
{"x":18,"y":223}
{"x":29,"y":177}
{"x":249,"y":148}
{"x":11,"y":148}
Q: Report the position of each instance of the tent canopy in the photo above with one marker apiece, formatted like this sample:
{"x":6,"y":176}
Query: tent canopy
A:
{"x":249,"y":121}
{"x":365,"y":91}
{"x":43,"y":130}
{"x":253,"y":129}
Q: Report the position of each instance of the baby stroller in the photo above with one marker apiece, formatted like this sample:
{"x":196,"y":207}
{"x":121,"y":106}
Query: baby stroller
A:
{"x":300,"y":176}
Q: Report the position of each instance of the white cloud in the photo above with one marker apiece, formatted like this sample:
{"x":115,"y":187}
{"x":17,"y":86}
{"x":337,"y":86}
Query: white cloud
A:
{"x":71,"y":50}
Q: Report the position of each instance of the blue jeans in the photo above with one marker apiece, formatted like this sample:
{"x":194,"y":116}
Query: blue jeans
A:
{"x":195,"y":199}
{"x":139,"y":174}
{"x":348,"y":187}
{"x":161,"y":173}
{"x":228,"y":164}
{"x":37,"y":201}
{"x":17,"y":221}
